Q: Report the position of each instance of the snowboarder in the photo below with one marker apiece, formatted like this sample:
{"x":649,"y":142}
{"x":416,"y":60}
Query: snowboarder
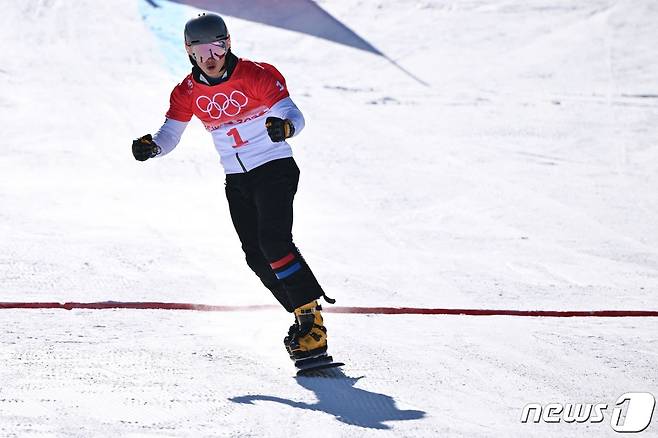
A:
{"x":247,"y":109}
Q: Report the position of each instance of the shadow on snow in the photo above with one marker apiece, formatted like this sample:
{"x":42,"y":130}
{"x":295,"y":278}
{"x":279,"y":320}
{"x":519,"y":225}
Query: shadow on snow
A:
{"x":337,"y":396}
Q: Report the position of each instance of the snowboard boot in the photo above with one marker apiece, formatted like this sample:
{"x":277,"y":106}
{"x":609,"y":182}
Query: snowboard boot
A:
{"x":288,"y":339}
{"x":307,"y":337}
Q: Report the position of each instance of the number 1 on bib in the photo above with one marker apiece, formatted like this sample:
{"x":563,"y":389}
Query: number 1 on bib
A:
{"x":236,"y":137}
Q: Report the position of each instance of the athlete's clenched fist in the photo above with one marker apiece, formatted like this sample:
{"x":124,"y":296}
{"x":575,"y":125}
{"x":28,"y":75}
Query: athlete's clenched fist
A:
{"x":279,"y":129}
{"x":144,"y":148}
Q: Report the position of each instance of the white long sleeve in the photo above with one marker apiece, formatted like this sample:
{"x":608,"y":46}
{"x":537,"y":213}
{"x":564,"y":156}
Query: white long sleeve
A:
{"x":168,"y":136}
{"x":286,"y":109}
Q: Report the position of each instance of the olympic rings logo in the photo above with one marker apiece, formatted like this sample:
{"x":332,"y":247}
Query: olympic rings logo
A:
{"x":221,"y":104}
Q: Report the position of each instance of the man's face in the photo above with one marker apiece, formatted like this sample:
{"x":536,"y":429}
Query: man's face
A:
{"x":210,"y":57}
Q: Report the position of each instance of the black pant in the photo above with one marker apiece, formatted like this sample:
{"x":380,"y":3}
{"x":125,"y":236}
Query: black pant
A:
{"x":260,"y":202}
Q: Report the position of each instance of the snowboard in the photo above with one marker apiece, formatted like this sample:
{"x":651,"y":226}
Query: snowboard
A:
{"x":309,"y":367}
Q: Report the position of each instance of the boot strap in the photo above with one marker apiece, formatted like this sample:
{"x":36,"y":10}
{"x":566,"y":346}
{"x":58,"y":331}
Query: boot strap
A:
{"x":310,"y":311}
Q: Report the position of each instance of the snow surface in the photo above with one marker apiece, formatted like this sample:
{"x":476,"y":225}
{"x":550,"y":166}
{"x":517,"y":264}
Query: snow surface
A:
{"x":524,"y":176}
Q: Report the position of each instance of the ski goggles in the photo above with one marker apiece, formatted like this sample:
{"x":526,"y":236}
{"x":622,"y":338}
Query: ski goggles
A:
{"x":202,"y":52}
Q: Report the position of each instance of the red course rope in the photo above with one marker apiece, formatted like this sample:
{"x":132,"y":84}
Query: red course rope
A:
{"x":332,"y":309}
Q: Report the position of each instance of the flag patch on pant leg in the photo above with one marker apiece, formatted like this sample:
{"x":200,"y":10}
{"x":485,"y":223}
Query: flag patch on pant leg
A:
{"x":283,"y":261}
{"x":288,"y":271}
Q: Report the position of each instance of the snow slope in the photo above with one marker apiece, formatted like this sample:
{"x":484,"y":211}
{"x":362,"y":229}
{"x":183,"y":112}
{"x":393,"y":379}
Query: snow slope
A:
{"x":524,"y":176}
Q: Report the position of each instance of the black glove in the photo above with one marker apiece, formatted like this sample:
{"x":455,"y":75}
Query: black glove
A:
{"x":144,"y":148}
{"x":279,"y":129}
